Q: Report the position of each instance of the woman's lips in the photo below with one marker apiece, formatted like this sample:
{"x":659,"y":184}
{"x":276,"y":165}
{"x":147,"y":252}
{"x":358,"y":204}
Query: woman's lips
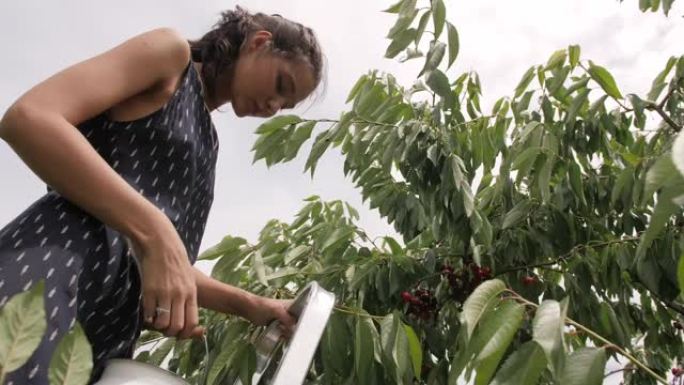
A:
{"x":254,"y":108}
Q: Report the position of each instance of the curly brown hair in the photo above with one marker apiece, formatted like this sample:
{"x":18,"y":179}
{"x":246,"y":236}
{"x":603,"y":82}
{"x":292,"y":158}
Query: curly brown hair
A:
{"x":219,"y":48}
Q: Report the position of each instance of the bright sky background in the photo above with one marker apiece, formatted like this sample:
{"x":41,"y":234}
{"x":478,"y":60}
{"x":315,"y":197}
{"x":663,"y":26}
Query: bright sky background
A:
{"x":499,"y":39}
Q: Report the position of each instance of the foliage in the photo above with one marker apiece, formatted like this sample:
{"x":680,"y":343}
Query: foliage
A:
{"x":22,"y":327}
{"x":538,"y":239}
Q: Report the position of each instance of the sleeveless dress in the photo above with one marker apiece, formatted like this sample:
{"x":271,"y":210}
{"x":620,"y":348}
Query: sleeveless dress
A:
{"x":89,"y":271}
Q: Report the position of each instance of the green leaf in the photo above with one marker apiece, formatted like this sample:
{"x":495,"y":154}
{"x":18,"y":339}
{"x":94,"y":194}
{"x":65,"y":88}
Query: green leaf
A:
{"x":605,"y":80}
{"x":667,"y":5}
{"x":680,"y":275}
{"x":574,"y":54}
{"x":22,"y":325}
{"x":659,"y":82}
{"x":356,"y":88}
{"x":648,"y":271}
{"x":644,"y":5}
{"x":439,"y":83}
{"x":227,"y":245}
{"x":400,"y":349}
{"x":363,"y":349}
{"x":587,"y":367}
{"x":277,"y":123}
{"x":438,"y":16}
{"x":228,"y":350}
{"x":478,"y":302}
{"x":295,"y":253}
{"x":160,"y":353}
{"x":395,"y":7}
{"x":407,"y":13}
{"x":525,"y":158}
{"x":669,"y":202}
{"x":335,"y":344}
{"x":452,"y":39}
{"x":547,"y":329}
{"x":319,"y":147}
{"x":415,"y":350}
{"x":556,"y":60}
{"x":72,"y":361}
{"x":301,"y":134}
{"x":623,"y":181}
{"x":259,"y":268}
{"x":498,"y":331}
{"x":337,"y":236}
{"x":399,"y":42}
{"x":524,"y":82}
{"x":659,"y":175}
{"x":519,"y":212}
{"x":655,"y":4}
{"x":544,"y":176}
{"x":523,"y":367}
{"x":575,"y":175}
{"x":678,"y":153}
{"x":434,"y":57}
{"x":577,"y":103}
{"x":421,"y":26}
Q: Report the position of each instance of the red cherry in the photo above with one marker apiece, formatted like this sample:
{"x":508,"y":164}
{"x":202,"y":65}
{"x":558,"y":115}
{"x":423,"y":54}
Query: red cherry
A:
{"x":486,"y":272}
{"x":529,"y":280}
{"x":406,"y":296}
{"x":677,"y":372}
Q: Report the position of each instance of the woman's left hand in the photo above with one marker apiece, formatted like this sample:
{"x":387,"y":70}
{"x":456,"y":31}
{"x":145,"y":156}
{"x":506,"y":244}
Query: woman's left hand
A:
{"x":265,"y":310}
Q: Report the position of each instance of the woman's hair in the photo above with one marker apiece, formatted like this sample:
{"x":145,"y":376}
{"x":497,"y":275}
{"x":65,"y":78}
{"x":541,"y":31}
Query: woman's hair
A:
{"x":219,"y":48}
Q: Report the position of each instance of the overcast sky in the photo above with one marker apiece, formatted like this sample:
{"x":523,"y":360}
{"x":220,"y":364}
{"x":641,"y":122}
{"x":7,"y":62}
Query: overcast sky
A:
{"x":499,"y":39}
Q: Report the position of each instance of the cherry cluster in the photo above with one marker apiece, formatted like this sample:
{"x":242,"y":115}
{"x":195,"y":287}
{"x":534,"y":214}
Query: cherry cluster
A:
{"x":421,"y":303}
{"x":677,"y":371}
{"x":529,"y":280}
{"x":463,"y":281}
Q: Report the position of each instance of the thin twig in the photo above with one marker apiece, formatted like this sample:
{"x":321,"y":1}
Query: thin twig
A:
{"x":596,"y":336}
{"x":348,"y":310}
{"x":666,"y":118}
{"x":567,"y":255}
{"x":618,"y":371}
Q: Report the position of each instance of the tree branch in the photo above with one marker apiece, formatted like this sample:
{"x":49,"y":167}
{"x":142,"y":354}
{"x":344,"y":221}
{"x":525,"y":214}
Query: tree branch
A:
{"x":596,"y":336}
{"x":666,"y":118}
{"x":564,"y":257}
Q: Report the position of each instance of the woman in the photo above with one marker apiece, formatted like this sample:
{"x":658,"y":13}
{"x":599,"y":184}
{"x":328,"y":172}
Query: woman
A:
{"x":126,"y":143}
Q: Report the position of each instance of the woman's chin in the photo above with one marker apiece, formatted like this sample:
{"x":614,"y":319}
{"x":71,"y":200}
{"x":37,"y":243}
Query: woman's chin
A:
{"x":238,"y":112}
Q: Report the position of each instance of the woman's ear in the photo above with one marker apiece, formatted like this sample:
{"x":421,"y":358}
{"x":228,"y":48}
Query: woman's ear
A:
{"x":258,"y":40}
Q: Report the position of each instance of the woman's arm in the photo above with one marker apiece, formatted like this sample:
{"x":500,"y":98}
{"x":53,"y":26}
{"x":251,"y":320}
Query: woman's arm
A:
{"x":40,"y":127}
{"x":218,"y":296}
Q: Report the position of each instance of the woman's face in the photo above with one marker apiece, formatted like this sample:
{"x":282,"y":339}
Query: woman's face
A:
{"x":264,"y":83}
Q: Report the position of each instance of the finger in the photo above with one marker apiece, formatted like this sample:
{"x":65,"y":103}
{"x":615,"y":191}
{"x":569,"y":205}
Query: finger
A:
{"x":162,"y":318}
{"x":286,"y":332}
{"x":177,"y":322}
{"x":197,"y":332}
{"x":287,"y":320}
{"x":149,"y":303}
{"x":191,"y":318}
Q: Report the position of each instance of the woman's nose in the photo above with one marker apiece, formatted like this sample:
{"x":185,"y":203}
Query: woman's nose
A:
{"x":274,"y":105}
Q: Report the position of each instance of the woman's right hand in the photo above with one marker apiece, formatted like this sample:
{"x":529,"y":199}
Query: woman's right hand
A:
{"x":168,"y":283}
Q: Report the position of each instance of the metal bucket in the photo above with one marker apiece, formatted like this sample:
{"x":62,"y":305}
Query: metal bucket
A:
{"x":277,"y":363}
{"x":131,"y":372}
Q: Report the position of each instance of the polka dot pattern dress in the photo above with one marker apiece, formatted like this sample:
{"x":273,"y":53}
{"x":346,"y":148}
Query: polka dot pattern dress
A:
{"x":89,"y":272}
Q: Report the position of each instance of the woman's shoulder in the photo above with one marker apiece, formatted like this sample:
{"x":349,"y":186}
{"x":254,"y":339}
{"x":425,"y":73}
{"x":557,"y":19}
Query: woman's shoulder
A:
{"x":147,"y":62}
{"x":170,"y":43}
